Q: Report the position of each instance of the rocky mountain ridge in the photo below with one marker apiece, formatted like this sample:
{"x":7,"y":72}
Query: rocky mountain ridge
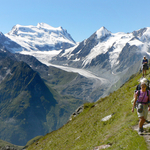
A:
{"x":29,"y":107}
{"x":111,"y":56}
{"x":114,"y":57}
{"x":108,"y":55}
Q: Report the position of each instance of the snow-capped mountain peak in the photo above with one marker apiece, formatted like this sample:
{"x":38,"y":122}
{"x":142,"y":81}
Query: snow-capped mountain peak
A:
{"x":144,"y":35}
{"x":42,"y":37}
{"x":113,"y":56}
{"x":48,"y":27}
{"x":19,"y":29}
{"x":112,"y":53}
{"x":102,"y":32}
{"x":44,"y":25}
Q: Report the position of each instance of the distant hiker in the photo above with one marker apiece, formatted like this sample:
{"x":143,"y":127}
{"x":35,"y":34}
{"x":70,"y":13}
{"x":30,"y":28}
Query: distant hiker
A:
{"x":142,"y":98}
{"x":145,"y":65}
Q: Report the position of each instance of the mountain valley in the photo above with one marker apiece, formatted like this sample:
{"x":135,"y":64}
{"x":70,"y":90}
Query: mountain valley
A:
{"x":113,"y":57}
{"x":45,"y":76}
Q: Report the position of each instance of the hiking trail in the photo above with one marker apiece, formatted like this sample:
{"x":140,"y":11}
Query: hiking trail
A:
{"x":146,"y":133}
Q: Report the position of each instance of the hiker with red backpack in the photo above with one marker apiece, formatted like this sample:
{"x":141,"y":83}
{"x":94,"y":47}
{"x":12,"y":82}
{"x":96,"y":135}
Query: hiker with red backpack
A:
{"x":142,"y":99}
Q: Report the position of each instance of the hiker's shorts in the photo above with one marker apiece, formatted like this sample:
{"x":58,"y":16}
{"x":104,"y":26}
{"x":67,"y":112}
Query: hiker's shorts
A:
{"x":144,"y":113}
{"x":145,"y":67}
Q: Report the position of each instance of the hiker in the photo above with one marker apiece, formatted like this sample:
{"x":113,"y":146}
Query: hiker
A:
{"x":145,"y":65}
{"x":142,"y":98}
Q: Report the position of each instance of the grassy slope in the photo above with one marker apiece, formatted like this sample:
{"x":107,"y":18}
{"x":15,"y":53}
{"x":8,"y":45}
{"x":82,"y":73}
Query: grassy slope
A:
{"x":4,"y":143}
{"x":87,"y":130}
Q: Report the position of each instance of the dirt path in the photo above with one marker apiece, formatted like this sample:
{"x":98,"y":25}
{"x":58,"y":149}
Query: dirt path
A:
{"x":146,"y":133}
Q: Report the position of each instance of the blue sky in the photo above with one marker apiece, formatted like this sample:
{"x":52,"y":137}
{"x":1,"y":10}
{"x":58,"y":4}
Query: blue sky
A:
{"x":81,"y":18}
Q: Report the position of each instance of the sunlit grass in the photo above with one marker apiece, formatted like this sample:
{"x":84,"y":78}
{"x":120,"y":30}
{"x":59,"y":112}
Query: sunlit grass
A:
{"x":87,"y":131}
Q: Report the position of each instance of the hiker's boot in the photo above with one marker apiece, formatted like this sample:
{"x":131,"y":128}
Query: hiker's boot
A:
{"x":140,"y":131}
{"x":147,"y":121}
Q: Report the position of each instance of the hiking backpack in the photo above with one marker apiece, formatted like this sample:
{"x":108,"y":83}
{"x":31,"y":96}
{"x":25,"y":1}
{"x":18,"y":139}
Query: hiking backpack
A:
{"x":138,"y":88}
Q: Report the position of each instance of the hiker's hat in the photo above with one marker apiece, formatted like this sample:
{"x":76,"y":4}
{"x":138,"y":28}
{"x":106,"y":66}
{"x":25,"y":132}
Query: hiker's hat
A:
{"x":144,"y":81}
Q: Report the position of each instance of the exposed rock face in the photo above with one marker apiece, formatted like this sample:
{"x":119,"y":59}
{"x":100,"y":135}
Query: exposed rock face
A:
{"x":8,"y":148}
{"x":27,"y":99}
{"x":77,"y":112}
{"x":28,"y":107}
{"x":109,"y":55}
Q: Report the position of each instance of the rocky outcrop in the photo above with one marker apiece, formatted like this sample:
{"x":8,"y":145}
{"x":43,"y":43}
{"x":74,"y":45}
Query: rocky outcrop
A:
{"x":8,"y":148}
{"x":77,"y":112}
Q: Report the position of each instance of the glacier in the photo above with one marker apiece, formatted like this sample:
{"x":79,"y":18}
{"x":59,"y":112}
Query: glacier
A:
{"x":105,"y":56}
